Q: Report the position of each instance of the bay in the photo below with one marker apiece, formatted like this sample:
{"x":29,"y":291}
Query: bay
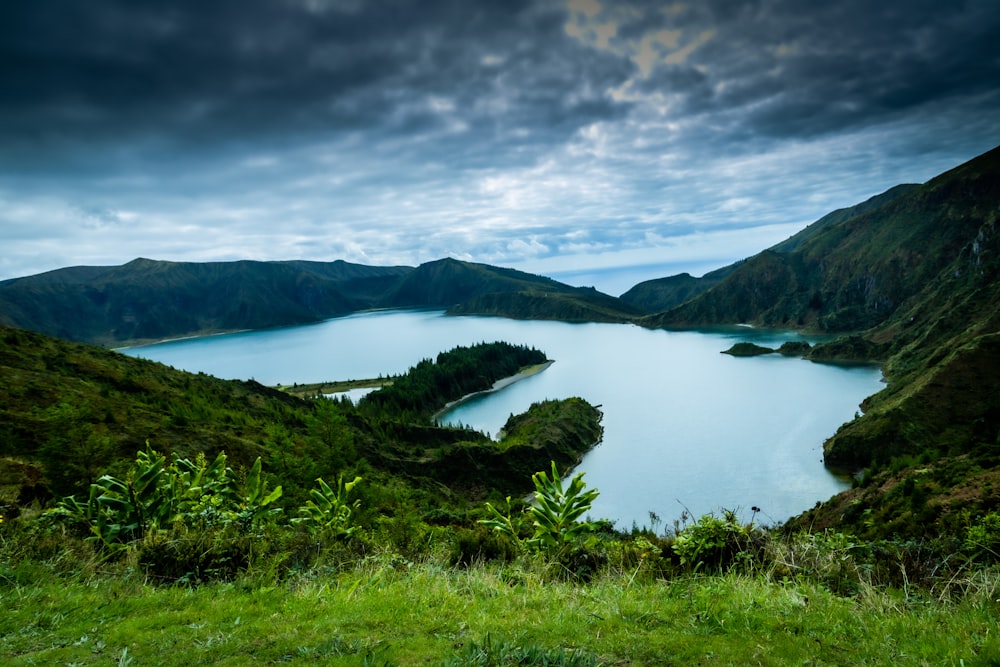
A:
{"x":687,"y":430}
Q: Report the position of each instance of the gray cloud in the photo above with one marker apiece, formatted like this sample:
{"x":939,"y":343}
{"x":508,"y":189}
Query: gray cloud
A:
{"x":511,"y":132}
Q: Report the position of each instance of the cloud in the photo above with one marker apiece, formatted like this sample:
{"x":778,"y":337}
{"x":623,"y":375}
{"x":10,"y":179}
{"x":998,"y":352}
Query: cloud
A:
{"x":508,"y":131}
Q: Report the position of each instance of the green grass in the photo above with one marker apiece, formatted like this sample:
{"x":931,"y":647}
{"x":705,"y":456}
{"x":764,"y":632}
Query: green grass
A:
{"x":388,"y":611}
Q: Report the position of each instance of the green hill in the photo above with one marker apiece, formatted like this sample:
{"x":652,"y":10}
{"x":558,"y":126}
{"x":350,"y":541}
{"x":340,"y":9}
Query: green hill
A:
{"x":576,"y":305}
{"x":854,"y":269}
{"x":151,"y":300}
{"x":663,"y":294}
{"x":70,"y":412}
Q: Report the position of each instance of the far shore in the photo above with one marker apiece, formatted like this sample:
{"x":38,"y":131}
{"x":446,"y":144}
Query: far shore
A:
{"x":334,"y":387}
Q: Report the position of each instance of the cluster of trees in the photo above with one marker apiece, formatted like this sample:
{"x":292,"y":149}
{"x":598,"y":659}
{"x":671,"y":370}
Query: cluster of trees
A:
{"x":430,"y":385}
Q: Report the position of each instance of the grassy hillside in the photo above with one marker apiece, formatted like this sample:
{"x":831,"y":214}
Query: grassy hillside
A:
{"x":183,"y":560}
{"x":70,"y":412}
{"x":151,"y":300}
{"x":663,"y":294}
{"x":385,"y":613}
{"x":855,"y":272}
{"x":578,"y":305}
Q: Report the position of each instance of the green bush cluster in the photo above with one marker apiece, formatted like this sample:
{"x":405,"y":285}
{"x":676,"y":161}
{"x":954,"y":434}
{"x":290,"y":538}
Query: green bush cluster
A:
{"x":429,"y":385}
{"x":194,"y":519}
{"x":716,"y":543}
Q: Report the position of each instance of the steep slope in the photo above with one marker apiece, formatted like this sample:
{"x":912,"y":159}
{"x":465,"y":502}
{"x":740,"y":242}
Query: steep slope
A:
{"x":855,"y":273}
{"x":662,"y":294}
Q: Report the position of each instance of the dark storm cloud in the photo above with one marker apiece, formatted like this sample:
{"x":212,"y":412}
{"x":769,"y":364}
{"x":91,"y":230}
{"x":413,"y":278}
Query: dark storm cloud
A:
{"x":802,"y":68}
{"x":525,"y":132}
{"x":79,"y":74}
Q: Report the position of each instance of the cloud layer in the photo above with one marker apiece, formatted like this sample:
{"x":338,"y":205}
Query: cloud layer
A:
{"x":547,"y":135}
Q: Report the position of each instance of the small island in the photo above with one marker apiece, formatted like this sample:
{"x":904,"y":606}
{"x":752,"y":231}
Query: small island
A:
{"x":745,"y":349}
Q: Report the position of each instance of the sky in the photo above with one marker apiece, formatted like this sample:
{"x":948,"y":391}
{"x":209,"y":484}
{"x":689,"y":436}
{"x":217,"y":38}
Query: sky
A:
{"x":569,"y":138}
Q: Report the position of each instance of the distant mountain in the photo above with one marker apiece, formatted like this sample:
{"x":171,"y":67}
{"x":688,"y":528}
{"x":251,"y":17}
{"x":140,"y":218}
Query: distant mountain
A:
{"x":466,"y":288}
{"x":663,"y":294}
{"x":151,"y":300}
{"x":582,"y":304}
{"x":450,"y":282}
{"x":914,"y":276}
{"x":854,"y":269}
{"x":148,"y":300}
{"x":660,"y":294}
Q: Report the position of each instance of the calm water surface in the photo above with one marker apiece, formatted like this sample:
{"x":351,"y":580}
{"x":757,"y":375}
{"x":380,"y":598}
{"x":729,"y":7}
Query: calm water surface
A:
{"x":685,"y":427}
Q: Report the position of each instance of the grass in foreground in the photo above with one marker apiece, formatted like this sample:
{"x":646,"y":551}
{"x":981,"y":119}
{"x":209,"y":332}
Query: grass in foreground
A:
{"x":387,"y":611}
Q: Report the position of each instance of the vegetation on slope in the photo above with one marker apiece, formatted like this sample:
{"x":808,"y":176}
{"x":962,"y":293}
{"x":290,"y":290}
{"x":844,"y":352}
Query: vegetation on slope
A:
{"x":580,"y":305}
{"x":661,"y":294}
{"x":386,"y":612}
{"x":664,"y":294}
{"x":70,"y":412}
{"x":183,"y":559}
{"x":427,"y":387}
{"x":151,"y":300}
{"x":714,"y":591}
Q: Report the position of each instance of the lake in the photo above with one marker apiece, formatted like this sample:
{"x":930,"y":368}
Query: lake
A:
{"x":686,"y":429}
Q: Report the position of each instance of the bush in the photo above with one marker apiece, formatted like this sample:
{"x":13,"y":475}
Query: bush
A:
{"x":982,"y":538}
{"x":480,"y":545}
{"x":194,"y":558}
{"x":716,"y":543}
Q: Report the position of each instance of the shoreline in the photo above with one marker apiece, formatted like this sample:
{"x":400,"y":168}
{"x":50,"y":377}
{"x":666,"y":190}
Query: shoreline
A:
{"x":525,"y":372}
{"x":312,"y":389}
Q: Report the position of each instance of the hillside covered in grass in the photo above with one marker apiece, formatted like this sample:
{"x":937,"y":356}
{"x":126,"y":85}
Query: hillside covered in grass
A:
{"x":148,"y":300}
{"x":70,"y":412}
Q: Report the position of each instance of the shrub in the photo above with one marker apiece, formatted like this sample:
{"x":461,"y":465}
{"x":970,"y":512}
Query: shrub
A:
{"x":194,"y":557}
{"x":480,"y":545}
{"x":829,"y":558}
{"x":554,"y":515}
{"x":715,"y":543}
{"x":328,"y":513}
{"x":982,"y":538}
{"x":155,"y":496}
{"x":557,"y":509}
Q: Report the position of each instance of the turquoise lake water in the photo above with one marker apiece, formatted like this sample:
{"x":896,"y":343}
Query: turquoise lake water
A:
{"x":685,"y":427}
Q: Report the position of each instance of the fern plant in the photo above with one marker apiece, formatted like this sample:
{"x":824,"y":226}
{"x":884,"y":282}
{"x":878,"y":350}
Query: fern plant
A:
{"x":502,"y":523}
{"x":329,"y":512}
{"x":557,"y":510}
{"x":554,"y":515}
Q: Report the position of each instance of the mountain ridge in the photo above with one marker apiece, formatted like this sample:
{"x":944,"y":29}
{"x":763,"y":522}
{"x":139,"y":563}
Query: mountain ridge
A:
{"x":146,"y":300}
